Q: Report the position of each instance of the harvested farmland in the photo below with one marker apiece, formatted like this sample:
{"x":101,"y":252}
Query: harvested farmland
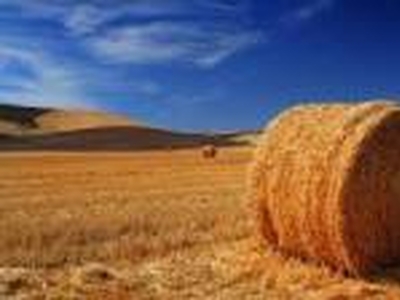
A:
{"x":325,"y":182}
{"x":160,"y":223}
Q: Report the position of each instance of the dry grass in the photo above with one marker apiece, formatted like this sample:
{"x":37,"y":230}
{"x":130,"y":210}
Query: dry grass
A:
{"x":150,"y":225}
{"x":70,"y":208}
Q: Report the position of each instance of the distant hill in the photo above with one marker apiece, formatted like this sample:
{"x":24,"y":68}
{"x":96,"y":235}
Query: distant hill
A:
{"x":31,"y":128}
{"x":15,"y":120}
{"x":31,"y":120}
{"x":57,"y":121}
{"x":248,"y":137}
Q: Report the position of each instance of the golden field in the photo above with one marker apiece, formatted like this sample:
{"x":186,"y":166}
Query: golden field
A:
{"x":148,"y":225}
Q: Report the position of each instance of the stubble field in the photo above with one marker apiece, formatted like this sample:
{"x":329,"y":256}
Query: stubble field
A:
{"x":147,"y":225}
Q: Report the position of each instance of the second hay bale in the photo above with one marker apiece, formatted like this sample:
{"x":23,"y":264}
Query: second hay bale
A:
{"x":326,"y":181}
{"x":209,"y":151}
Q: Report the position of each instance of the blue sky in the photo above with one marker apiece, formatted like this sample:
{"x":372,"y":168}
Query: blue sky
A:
{"x":197,"y":64}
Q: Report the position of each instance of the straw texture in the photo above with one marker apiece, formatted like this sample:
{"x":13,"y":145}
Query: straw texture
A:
{"x":326,"y":183}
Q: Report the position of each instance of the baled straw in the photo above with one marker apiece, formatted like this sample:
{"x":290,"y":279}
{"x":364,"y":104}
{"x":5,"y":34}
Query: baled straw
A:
{"x":326,"y":181}
{"x":209,"y":151}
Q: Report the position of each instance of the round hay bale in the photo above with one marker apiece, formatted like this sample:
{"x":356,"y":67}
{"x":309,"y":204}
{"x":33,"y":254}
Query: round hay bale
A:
{"x":209,"y":151}
{"x":326,"y":182}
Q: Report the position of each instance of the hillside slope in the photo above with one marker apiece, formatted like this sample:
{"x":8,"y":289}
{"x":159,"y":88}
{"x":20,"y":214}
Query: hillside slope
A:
{"x":61,"y":121}
{"x":23,"y":128}
{"x":31,"y":120}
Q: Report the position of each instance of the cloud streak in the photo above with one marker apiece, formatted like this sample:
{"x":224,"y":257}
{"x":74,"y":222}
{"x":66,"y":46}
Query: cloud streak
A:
{"x":159,"y":42}
{"x":165,"y":36}
{"x":307,"y":12}
{"x":205,"y":43}
{"x":46,"y":84}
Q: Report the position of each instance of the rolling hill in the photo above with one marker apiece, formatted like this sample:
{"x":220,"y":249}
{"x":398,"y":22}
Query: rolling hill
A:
{"x":19,"y":120}
{"x":32,"y":128}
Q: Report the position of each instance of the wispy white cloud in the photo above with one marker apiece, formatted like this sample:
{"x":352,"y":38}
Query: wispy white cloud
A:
{"x":160,"y":41}
{"x":157,"y":42}
{"x":84,"y":18}
{"x":49,"y":84}
{"x":87,"y":18}
{"x":307,"y":12}
{"x":228,"y":45}
{"x":223,"y":6}
{"x":148,"y":88}
{"x":203,"y":43}
{"x":81,"y":17}
{"x":162,"y":38}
